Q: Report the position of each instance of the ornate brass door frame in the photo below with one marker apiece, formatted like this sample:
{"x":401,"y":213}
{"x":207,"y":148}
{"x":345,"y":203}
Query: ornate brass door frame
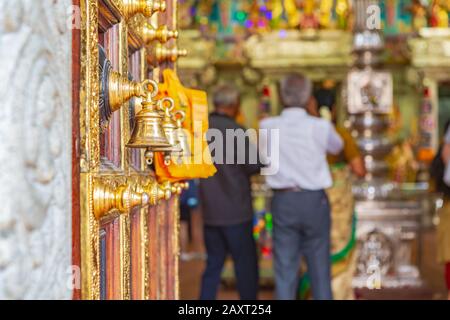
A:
{"x":92,"y":173}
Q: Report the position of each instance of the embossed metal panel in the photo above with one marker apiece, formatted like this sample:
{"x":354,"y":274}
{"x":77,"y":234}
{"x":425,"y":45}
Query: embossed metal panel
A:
{"x":128,"y":242}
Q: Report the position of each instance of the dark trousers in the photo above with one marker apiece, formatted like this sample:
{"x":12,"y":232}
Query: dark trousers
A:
{"x":301,"y":227}
{"x":239,"y":242}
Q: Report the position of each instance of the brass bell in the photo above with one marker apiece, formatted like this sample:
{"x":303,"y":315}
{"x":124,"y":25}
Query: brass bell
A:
{"x":148,"y":132}
{"x":182,"y":137}
{"x":162,"y":34}
{"x":146,"y":7}
{"x":169,"y":127}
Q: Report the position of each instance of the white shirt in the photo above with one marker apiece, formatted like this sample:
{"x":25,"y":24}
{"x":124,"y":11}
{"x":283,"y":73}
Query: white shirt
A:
{"x":304,"y":142}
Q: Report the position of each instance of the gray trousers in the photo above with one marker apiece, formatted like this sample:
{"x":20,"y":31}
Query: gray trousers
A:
{"x":301,"y":227}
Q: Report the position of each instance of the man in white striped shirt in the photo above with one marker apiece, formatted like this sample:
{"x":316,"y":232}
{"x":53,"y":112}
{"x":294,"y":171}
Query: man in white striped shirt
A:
{"x":300,"y":208}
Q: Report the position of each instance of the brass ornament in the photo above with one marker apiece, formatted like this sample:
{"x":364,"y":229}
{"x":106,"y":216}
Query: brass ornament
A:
{"x":161,"y":34}
{"x":160,"y":54}
{"x":180,"y":186}
{"x":120,"y":90}
{"x":174,"y":188}
{"x":156,"y":193}
{"x":92,"y":85}
{"x":184,"y":185}
{"x":145,"y":7}
{"x":148,"y":132}
{"x":122,"y":198}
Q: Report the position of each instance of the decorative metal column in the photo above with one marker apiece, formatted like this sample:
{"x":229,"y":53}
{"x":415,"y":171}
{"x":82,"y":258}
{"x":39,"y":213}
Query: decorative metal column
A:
{"x":370,"y":99}
{"x":388,"y":229}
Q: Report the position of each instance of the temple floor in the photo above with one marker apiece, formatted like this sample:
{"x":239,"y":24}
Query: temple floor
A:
{"x":432,"y":273}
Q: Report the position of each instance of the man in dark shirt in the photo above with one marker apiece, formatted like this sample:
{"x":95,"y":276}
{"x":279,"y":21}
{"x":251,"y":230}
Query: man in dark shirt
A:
{"x":227,"y":202}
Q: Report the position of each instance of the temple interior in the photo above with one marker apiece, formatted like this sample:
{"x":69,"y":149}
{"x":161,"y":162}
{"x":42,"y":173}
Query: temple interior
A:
{"x":400,"y":45}
{"x":110,"y":188}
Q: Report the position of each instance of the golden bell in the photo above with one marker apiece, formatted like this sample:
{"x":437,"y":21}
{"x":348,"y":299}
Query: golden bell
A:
{"x":169,"y":127}
{"x":182,"y":137}
{"x":148,"y":132}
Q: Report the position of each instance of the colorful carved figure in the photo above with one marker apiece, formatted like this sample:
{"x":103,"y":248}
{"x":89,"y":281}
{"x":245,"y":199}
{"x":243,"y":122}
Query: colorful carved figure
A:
{"x":439,"y":14}
{"x":309,"y":18}
{"x":343,"y":17}
{"x":325,"y":13}
{"x":419,"y":13}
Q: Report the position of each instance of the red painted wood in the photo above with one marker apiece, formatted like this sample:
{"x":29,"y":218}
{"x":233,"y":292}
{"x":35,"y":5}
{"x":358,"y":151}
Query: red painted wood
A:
{"x":110,"y":139}
{"x":153,"y":253}
{"x":136,"y":256}
{"x":76,"y":250}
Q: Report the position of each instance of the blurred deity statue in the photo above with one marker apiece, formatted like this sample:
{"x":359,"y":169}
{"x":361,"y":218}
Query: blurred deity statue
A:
{"x":325,"y":15}
{"x":291,"y":8}
{"x":343,"y":14}
{"x":439,"y":14}
{"x":419,"y":12}
{"x":187,"y":12}
{"x":277,"y":10}
{"x":309,"y":18}
{"x":257,"y":20}
{"x":334,"y":14}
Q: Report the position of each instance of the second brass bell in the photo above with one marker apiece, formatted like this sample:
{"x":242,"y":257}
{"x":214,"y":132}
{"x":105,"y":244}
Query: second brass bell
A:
{"x":169,"y":127}
{"x":182,"y":137}
{"x":148,"y":132}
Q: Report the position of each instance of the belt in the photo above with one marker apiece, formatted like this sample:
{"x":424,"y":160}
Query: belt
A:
{"x":292,"y":189}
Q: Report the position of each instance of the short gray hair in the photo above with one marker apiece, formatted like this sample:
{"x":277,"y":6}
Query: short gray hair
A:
{"x":226,"y":96}
{"x":295,"y":90}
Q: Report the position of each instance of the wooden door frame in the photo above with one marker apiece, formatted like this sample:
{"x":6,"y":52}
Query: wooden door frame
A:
{"x":85,"y":170}
{"x":76,"y":248}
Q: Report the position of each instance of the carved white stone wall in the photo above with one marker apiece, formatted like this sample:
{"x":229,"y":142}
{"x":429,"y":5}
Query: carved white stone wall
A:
{"x":35,"y":149}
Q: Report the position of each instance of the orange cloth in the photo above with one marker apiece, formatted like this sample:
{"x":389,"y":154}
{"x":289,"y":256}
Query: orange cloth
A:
{"x":195,"y":104}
